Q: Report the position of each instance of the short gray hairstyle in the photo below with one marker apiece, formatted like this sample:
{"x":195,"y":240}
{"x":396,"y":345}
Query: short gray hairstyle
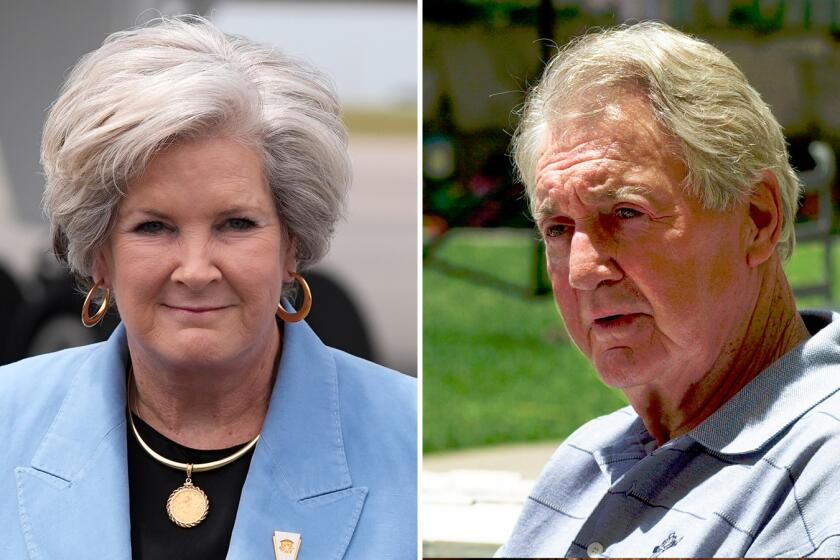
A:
{"x":181,"y":78}
{"x":725,"y":133}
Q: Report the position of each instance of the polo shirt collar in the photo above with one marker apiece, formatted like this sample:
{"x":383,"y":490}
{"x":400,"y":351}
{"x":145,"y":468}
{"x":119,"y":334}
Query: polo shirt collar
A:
{"x":780,"y":395}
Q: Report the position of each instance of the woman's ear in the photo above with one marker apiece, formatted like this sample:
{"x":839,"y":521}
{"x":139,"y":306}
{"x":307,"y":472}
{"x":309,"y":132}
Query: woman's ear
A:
{"x":766,"y":216}
{"x":100,"y":271}
{"x":290,"y":260}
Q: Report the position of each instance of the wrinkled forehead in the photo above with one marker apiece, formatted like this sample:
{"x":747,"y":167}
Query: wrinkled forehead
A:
{"x":617,"y":147}
{"x":624,"y":120}
{"x":621,"y":128}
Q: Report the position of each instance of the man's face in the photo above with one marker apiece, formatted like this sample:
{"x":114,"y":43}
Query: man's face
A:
{"x":651,"y":285}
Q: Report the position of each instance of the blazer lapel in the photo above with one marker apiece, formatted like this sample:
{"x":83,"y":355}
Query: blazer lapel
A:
{"x":73,"y":496}
{"x":299,"y":480}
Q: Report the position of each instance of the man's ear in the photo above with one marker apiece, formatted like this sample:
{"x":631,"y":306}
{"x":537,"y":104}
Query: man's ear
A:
{"x":766,"y":215}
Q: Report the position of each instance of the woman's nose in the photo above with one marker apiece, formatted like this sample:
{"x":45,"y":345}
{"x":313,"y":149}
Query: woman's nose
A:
{"x":196,"y":266}
{"x":591,"y":262}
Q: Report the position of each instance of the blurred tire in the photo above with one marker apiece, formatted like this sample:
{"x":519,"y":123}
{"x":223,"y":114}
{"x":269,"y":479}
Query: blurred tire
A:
{"x":10,"y":301}
{"x":336,"y":318}
{"x":53,"y":325}
{"x":57,"y":332}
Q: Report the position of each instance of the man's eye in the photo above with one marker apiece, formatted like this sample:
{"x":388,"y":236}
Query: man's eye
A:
{"x":240,"y":223}
{"x":627,"y":213}
{"x":557,"y":230}
{"x":149,"y":227}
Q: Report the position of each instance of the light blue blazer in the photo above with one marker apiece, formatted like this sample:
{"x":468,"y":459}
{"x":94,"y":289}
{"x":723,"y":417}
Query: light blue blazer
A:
{"x":337,"y":460}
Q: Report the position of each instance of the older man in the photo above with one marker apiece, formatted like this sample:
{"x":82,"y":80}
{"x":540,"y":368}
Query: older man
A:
{"x":660,"y":183}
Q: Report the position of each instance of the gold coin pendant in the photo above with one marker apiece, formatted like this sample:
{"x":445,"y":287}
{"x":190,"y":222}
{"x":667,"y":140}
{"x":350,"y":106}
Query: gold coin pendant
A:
{"x":187,"y":505}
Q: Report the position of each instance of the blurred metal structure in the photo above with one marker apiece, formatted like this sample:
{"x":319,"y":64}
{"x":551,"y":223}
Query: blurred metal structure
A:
{"x":820,"y":181}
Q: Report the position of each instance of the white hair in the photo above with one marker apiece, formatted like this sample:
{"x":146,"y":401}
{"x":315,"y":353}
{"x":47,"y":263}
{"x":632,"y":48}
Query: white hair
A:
{"x":181,"y":78}
{"x":725,"y":133}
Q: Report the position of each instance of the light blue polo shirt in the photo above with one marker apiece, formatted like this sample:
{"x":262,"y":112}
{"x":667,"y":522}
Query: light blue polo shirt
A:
{"x":759,"y":477}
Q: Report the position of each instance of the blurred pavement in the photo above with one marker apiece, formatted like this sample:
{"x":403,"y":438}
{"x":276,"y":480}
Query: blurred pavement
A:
{"x":472,"y":498}
{"x":374,"y":252}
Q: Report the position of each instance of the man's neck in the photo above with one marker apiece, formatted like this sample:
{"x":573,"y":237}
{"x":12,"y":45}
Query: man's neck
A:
{"x":772,"y":330}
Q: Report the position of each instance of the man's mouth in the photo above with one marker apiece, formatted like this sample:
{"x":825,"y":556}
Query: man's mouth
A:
{"x":616,"y":320}
{"x":609,"y":318}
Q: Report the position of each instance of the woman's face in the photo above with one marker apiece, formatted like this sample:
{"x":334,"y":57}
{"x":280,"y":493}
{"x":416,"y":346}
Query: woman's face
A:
{"x":197,"y":256}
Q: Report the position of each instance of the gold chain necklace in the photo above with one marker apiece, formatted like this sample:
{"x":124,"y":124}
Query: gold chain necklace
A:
{"x":187,"y":505}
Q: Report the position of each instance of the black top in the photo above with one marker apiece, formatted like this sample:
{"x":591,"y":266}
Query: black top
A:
{"x":153,"y":535}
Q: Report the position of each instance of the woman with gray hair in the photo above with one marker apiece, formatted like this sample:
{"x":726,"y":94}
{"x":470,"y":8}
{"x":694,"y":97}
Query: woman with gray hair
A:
{"x":190,"y":176}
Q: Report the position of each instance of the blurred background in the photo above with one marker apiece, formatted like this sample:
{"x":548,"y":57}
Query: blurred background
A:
{"x":503,"y":384}
{"x":369,"y":48}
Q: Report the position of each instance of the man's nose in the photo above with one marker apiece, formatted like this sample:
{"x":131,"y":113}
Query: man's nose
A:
{"x":196,"y":267}
{"x":591,"y":262}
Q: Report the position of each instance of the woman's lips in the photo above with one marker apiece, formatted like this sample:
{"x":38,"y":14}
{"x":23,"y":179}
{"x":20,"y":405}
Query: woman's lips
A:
{"x":195,"y":310}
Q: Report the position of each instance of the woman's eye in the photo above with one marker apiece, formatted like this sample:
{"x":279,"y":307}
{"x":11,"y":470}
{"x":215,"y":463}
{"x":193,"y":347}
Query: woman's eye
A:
{"x":240,"y":223}
{"x":627,"y":213}
{"x":149,"y":227}
{"x":557,"y":230}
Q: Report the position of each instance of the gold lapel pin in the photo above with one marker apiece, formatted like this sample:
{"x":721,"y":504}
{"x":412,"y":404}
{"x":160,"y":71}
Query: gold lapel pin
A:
{"x":286,"y":545}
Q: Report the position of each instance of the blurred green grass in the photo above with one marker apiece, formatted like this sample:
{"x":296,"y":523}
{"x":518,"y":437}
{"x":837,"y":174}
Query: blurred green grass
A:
{"x":499,"y":367}
{"x":398,"y":121}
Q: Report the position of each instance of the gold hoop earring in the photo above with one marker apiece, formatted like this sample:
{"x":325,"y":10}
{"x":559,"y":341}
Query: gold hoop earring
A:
{"x":305,"y":306}
{"x":89,"y":321}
